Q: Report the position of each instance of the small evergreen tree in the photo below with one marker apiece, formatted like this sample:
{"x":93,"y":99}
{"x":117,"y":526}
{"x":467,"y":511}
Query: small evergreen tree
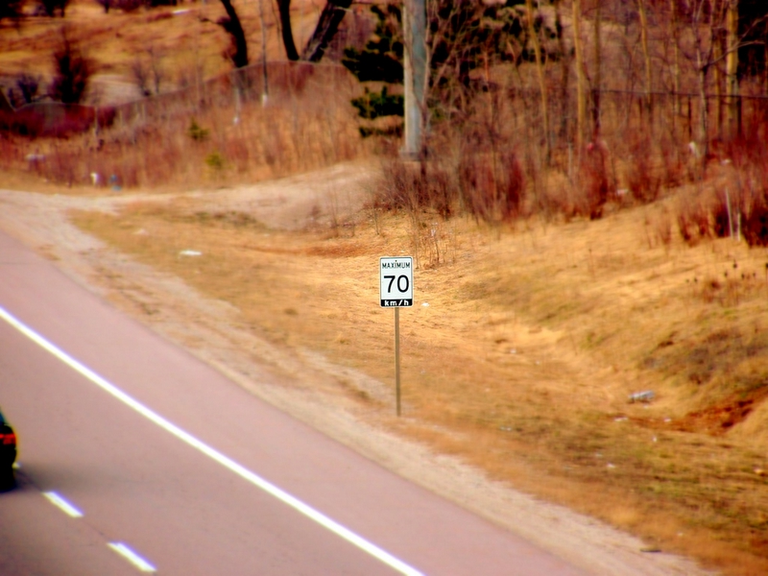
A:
{"x":463,"y":37}
{"x":10,"y":9}
{"x":73,"y":72}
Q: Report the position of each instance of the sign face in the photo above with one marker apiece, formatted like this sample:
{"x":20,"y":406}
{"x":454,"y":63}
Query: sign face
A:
{"x":396,"y":281}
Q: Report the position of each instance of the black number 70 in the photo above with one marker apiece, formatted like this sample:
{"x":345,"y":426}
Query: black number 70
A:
{"x":400,"y":280}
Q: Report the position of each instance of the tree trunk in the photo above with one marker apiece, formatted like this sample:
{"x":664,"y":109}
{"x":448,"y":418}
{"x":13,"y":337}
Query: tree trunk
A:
{"x":673,"y":8}
{"x":598,"y":84}
{"x":542,"y":80}
{"x":564,"y":68}
{"x":332,"y":15}
{"x":232,"y":25}
{"x":647,"y":58}
{"x":732,"y":64}
{"x":703,"y":114}
{"x":581,"y":93}
{"x":718,"y":53}
{"x":284,"y":7}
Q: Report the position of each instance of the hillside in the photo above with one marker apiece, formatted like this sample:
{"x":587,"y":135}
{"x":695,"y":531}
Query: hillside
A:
{"x":183,"y":42}
{"x":523,"y":351}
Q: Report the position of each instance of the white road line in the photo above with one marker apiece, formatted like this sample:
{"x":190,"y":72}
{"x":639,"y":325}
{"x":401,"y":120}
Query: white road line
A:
{"x":225,"y":461}
{"x":132,"y":557}
{"x":62,"y":504}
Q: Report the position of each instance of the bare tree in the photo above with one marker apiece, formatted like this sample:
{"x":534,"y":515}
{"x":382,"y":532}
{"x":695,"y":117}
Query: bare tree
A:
{"x":238,"y":49}
{"x":597,"y":85}
{"x":581,"y":80}
{"x":643,"y":15}
{"x":148,"y":72}
{"x":565,"y":64}
{"x":731,"y":69}
{"x":674,"y":14}
{"x":714,"y":40}
{"x":284,"y":8}
{"x":330,"y":19}
{"x":26,"y":91}
{"x":534,"y":35}
{"x":140,"y":75}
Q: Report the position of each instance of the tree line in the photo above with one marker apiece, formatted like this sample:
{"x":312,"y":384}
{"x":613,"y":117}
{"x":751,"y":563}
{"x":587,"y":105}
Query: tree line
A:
{"x":583,"y":46}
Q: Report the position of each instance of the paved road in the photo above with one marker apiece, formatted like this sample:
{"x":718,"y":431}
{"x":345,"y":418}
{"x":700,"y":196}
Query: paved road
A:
{"x":136,"y":456}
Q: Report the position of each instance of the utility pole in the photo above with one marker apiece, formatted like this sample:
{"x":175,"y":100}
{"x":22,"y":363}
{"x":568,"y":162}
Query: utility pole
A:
{"x":414,"y":32}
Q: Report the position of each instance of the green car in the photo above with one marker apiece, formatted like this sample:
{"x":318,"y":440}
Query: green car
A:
{"x":7,"y":454}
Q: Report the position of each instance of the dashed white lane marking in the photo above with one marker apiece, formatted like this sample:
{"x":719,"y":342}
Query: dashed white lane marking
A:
{"x":215,"y":455}
{"x":132,"y":557}
{"x":62,"y":504}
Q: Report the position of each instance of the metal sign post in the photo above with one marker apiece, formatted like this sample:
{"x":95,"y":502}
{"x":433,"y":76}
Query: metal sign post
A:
{"x":397,"y":359}
{"x":396,"y":291}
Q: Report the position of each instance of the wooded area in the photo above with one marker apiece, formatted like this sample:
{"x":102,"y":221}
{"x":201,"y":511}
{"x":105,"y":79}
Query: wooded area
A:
{"x":613,"y":95}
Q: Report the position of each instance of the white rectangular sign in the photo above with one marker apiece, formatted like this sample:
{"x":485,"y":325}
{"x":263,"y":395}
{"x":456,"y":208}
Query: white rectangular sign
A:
{"x":396,"y":281}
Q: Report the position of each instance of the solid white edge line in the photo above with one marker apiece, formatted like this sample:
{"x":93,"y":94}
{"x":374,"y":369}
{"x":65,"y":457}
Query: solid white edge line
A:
{"x":225,"y":461}
{"x":132,"y":557}
{"x":62,"y":504}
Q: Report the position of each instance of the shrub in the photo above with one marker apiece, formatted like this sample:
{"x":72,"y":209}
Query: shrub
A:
{"x":372,"y":105}
{"x":693,"y":223}
{"x":594,"y":182}
{"x":414,"y":186}
{"x":197,"y":133}
{"x":215,"y":161}
{"x":488,"y":185}
{"x":128,"y":5}
{"x":644,"y":184}
{"x":73,"y":72}
{"x":492,"y":185}
{"x":50,"y":7}
{"x":28,"y":87}
{"x":720,"y":219}
{"x":755,"y":228}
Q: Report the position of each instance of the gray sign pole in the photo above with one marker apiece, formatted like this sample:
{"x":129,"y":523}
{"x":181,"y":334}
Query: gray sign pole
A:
{"x":397,"y":358}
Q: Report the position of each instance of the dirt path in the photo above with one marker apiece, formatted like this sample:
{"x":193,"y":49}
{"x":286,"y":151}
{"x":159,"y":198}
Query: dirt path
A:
{"x":297,"y":381}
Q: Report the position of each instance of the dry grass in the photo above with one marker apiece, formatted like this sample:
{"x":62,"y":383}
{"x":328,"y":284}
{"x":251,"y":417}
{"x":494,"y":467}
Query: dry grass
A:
{"x":207,"y":148}
{"x":522,"y":349}
{"x":308,"y":122}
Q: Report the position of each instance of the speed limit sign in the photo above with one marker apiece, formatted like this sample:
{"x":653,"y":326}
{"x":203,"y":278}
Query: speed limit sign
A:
{"x":396,"y":281}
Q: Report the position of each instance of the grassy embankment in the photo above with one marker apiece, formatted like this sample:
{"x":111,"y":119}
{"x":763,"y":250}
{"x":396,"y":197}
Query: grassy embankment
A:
{"x":523,"y":348}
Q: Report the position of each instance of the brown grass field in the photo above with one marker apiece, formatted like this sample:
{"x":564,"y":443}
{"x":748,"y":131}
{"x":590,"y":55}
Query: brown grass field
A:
{"x":526,"y":340}
{"x":522,"y":350}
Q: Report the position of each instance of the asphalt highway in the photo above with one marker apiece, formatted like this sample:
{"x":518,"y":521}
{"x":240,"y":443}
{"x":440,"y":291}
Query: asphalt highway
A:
{"x":136,"y":457}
